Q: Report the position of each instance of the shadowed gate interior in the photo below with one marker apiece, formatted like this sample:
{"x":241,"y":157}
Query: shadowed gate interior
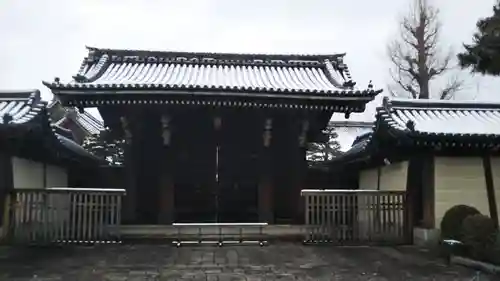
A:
{"x":215,"y":175}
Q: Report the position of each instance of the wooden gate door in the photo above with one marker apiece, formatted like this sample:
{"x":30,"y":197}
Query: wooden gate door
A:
{"x":237,"y":186}
{"x":237,"y":163}
{"x":195,"y":168}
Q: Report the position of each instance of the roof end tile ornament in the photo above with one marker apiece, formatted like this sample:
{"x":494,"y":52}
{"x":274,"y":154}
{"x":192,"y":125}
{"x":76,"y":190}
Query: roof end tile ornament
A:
{"x":410,"y":125}
{"x":7,"y":118}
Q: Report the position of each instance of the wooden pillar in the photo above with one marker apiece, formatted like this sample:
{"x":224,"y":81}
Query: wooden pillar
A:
{"x":266,"y":208}
{"x":301,"y":182}
{"x":428,"y":192}
{"x":129,"y":209}
{"x":490,"y":189}
{"x":6,"y":182}
{"x":300,"y":167}
{"x":166,"y":200}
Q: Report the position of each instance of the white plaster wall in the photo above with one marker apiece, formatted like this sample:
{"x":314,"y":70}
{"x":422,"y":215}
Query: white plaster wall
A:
{"x":368,"y":179}
{"x":459,"y":180}
{"x":29,"y":174}
{"x":392,"y":177}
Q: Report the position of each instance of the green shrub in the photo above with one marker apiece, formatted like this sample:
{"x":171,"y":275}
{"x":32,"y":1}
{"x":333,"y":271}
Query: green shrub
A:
{"x":479,"y":235}
{"x":495,"y":258}
{"x":451,"y":225}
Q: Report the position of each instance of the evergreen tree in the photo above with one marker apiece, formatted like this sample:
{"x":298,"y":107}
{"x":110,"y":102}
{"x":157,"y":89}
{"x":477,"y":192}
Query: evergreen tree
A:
{"x":324,"y":151}
{"x":483,"y":55}
{"x":106,"y":146}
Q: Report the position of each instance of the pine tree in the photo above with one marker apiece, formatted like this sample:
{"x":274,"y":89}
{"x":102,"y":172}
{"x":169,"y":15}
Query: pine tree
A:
{"x":483,"y":55}
{"x":106,"y":146}
{"x":324,"y":151}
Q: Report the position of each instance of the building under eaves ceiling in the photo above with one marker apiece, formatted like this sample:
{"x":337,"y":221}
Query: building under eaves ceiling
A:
{"x":234,"y":125}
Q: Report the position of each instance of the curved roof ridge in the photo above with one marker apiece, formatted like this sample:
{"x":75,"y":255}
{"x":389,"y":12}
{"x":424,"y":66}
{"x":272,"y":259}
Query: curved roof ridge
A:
{"x":242,"y":56}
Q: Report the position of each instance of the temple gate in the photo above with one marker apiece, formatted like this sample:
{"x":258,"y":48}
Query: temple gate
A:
{"x":213,"y":137}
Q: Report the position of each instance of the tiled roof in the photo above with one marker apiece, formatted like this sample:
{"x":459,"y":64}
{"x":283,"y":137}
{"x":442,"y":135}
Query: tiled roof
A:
{"x":91,"y":124}
{"x":85,"y":120}
{"x":17,"y":107}
{"x":134,"y":70}
{"x":441,"y":118}
{"x":348,"y":131}
{"x":23,"y":108}
{"x":431,"y":123}
{"x":359,"y":145}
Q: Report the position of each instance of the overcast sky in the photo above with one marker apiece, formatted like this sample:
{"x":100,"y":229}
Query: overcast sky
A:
{"x":42,"y":39}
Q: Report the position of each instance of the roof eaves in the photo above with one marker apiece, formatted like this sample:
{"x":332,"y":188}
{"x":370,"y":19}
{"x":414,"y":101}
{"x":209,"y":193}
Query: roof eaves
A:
{"x":439,"y":104}
{"x":391,"y":105}
{"x":76,"y":148}
{"x":162,"y":88}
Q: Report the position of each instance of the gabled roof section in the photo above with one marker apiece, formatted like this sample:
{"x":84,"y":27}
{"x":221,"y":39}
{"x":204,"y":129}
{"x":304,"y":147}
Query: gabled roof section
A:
{"x":441,"y":118}
{"x":347,"y":131}
{"x":19,"y":107}
{"x":85,"y":120}
{"x":122,"y":70}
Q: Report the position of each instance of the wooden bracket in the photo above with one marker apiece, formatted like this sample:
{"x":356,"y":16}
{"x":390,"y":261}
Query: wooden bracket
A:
{"x":165,"y":126}
{"x":303,"y":133}
{"x":217,"y":123}
{"x":268,"y":125}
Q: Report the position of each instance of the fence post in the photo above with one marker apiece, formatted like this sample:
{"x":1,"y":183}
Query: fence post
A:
{"x":63,"y":215}
{"x":355,"y":216}
{"x":6,"y":218}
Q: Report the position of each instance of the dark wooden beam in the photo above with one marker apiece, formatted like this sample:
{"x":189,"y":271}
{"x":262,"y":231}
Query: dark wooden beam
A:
{"x":428,"y":191}
{"x":490,"y":189}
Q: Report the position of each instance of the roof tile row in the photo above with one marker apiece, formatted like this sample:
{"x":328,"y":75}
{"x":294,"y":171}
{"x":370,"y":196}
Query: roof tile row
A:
{"x":450,"y":120}
{"x":442,"y":118}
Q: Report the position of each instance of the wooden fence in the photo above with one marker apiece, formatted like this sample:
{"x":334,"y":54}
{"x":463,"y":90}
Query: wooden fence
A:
{"x":356,"y":217}
{"x":63,"y":215}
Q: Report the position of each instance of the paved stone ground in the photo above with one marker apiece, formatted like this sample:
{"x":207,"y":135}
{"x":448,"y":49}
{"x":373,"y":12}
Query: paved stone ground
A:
{"x":275,"y":262}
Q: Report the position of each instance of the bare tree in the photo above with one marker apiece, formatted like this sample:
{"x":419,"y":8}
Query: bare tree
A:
{"x":416,"y":56}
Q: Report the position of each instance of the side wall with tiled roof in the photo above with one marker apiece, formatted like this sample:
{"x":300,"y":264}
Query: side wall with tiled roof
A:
{"x":445,"y":131}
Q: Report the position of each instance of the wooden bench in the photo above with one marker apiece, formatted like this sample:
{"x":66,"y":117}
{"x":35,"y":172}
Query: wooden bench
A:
{"x":220,"y":233}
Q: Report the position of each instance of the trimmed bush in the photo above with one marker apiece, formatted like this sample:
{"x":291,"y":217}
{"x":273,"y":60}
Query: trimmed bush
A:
{"x":479,"y":236}
{"x":451,"y":225}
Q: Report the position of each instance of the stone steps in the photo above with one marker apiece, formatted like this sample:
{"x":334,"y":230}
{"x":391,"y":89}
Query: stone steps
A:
{"x":162,"y":233}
